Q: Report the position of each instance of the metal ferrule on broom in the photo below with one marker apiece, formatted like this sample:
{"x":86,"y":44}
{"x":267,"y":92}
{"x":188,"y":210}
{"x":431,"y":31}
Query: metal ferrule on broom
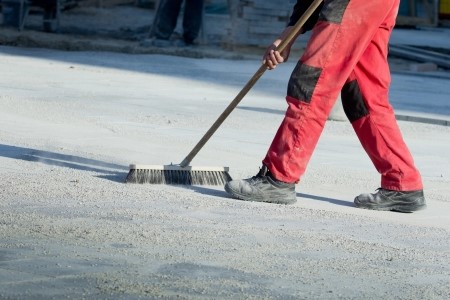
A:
{"x":184,"y":174}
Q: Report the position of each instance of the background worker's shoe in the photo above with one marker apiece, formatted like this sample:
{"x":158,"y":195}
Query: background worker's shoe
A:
{"x":262,"y":188}
{"x":155,"y":42}
{"x":392,"y":200}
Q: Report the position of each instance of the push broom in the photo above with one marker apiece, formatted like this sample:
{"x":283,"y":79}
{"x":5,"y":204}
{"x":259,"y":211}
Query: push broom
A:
{"x":183,"y":174}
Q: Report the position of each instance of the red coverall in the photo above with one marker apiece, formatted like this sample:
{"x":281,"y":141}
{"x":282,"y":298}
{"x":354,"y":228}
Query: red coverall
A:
{"x":347,"y":53}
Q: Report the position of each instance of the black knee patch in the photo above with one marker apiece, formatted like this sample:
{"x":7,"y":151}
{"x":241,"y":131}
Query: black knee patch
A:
{"x":333,"y":11}
{"x":303,"y":82}
{"x":353,"y":101}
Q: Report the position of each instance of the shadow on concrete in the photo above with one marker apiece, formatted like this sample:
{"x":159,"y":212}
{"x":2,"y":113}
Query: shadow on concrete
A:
{"x":209,"y":191}
{"x":110,"y":171}
{"x":399,"y":117}
{"x":223,"y":194}
{"x":264,"y":110}
{"x":325,"y":199}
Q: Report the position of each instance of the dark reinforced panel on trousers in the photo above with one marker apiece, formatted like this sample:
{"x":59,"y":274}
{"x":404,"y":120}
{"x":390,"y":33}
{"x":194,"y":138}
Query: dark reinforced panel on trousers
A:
{"x":303,"y":82}
{"x":353,"y":101}
{"x":333,"y":11}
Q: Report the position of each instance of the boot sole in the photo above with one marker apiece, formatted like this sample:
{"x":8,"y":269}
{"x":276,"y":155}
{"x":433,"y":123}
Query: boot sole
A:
{"x":395,"y":207}
{"x":258,"y":199}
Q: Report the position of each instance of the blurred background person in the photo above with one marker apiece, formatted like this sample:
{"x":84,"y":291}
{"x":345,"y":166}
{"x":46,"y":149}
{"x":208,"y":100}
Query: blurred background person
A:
{"x":166,"y":19}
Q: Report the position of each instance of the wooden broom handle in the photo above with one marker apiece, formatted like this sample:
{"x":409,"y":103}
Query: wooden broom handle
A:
{"x":294,"y":32}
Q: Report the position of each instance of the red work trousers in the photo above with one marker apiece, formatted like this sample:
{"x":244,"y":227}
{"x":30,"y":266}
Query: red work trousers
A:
{"x":347,"y":53}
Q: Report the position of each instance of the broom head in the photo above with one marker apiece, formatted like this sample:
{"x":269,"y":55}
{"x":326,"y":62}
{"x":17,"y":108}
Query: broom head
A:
{"x":177,"y":175}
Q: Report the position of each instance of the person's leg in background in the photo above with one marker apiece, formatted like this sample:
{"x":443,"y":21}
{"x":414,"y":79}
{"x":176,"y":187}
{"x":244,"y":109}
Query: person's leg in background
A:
{"x":192,"y":20}
{"x":166,"y":19}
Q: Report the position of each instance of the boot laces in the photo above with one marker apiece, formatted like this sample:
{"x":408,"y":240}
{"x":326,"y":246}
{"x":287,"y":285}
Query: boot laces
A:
{"x":260,"y":176}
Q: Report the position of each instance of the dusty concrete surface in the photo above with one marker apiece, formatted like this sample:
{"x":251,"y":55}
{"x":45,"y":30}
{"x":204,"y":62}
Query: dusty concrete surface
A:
{"x":72,"y":121}
{"x":70,"y":228}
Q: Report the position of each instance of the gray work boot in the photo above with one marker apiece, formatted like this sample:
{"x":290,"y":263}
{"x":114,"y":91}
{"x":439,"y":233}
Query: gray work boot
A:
{"x":392,"y":200}
{"x":262,"y":188}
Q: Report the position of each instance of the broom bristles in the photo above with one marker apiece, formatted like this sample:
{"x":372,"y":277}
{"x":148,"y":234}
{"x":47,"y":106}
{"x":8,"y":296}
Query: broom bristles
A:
{"x":176,"y":175}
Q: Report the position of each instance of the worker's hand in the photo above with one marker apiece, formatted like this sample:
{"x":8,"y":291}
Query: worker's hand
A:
{"x":272,"y":58}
